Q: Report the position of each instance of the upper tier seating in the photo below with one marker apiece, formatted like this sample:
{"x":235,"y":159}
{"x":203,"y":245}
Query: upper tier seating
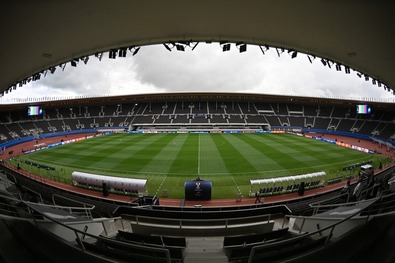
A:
{"x":226,"y":114}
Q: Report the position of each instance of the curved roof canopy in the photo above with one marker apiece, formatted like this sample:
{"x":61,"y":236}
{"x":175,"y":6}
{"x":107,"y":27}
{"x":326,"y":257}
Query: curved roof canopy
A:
{"x":39,"y":35}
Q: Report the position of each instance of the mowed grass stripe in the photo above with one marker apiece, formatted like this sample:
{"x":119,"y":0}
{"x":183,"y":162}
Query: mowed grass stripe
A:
{"x":292,"y":152}
{"x":66,"y":154}
{"x":111,"y":153}
{"x":326,"y":151}
{"x":125,"y":158}
{"x":255,"y":152}
{"x":211,"y":161}
{"x":330,"y":154}
{"x":225,"y":159}
{"x":146,"y":146}
{"x":211,"y":167}
{"x":298,"y":156}
{"x":184,"y":166}
{"x":278,"y":151}
{"x":186,"y":162}
{"x":110,"y":157}
{"x":119,"y":145}
{"x":162,"y":161}
{"x":327,"y":155}
{"x":234,"y":160}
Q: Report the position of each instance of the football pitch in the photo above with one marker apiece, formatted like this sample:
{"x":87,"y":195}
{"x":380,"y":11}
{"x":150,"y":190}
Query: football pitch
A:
{"x":229,"y":161}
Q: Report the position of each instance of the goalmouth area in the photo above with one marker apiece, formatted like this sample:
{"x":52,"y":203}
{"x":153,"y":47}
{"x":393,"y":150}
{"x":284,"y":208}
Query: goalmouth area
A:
{"x":228,"y":160}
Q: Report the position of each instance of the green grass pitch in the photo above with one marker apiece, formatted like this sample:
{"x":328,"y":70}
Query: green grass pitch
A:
{"x":168,"y":160}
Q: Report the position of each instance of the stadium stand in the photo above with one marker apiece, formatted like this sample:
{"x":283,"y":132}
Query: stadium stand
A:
{"x":299,"y":239}
{"x":30,"y":59}
{"x":175,"y":245}
{"x":320,"y":118}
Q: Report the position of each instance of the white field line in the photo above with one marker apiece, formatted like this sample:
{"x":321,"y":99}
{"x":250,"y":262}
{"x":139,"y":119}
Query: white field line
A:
{"x":198,"y":170}
{"x":160,"y":186}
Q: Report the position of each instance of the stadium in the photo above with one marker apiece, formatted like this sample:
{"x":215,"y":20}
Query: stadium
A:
{"x":198,"y":176}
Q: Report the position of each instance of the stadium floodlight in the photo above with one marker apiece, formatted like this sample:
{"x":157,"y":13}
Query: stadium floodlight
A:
{"x":366,"y":77}
{"x":85,"y":60}
{"x":195,"y":46}
{"x":242,"y":47}
{"x":136,"y":50}
{"x":99,"y":55}
{"x":323,"y":61}
{"x":226,"y":47}
{"x":36,"y":76}
{"x":347,"y":70}
{"x":167,"y":47}
{"x":122,"y":53}
{"x":52,"y":70}
{"x":74,"y":63}
{"x":264,"y":48}
{"x":280,"y":51}
{"x":311,"y":58}
{"x":180,"y":47}
{"x":293,"y":53}
{"x":338,"y":67}
{"x":112,"y":54}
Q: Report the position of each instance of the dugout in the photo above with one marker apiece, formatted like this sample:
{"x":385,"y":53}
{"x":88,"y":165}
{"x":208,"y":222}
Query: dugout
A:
{"x":106,"y":183}
{"x":198,"y":190}
{"x":286,"y":184}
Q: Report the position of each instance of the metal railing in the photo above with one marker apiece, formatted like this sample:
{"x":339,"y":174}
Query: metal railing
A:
{"x":331,"y":228}
{"x":81,"y":235}
{"x":109,"y":225}
{"x":86,"y":207}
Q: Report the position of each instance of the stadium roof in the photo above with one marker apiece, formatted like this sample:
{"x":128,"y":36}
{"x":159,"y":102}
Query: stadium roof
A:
{"x":38,"y":35}
{"x":195,"y":97}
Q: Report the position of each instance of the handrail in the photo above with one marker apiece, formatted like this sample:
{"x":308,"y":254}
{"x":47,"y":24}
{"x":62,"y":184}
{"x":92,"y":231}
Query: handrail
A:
{"x":316,"y":207}
{"x":71,"y":209}
{"x":305,"y":235}
{"x":81,"y":233}
{"x":6,"y":181}
{"x":85,"y":205}
{"x":226,"y":221}
{"x":34,"y":192}
{"x":381,"y":174}
{"x":212,"y":209}
{"x":72,"y":200}
{"x":11,"y":183}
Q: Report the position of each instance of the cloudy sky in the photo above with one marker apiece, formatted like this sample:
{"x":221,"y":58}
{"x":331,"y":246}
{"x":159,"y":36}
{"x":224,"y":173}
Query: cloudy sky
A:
{"x":156,"y":70}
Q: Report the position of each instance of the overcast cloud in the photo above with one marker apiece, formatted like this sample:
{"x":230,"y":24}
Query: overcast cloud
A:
{"x":206,"y":69}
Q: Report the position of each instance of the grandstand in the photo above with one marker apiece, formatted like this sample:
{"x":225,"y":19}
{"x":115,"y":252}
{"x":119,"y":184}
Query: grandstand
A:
{"x":208,"y":111}
{"x":42,"y":221}
{"x":243,"y":230}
